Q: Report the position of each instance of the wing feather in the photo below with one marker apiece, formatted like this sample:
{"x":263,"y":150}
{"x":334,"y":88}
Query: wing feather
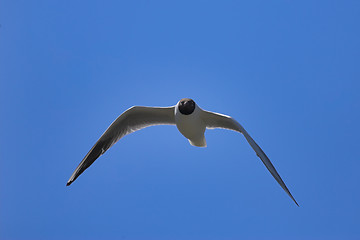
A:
{"x":216,"y":120}
{"x":133,"y":119}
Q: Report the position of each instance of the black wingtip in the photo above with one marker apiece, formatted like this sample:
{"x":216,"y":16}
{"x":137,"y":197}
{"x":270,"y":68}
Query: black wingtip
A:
{"x":293,"y":199}
{"x":68,"y":183}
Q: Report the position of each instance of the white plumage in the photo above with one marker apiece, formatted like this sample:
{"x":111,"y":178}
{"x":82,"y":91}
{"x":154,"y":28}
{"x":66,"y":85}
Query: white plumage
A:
{"x":190,"y":120}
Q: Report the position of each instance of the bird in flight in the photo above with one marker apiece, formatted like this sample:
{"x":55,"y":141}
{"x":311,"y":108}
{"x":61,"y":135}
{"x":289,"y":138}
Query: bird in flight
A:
{"x":189,"y":118}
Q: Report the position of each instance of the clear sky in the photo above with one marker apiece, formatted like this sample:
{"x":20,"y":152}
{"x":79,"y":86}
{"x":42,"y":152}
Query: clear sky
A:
{"x":288,"y":71}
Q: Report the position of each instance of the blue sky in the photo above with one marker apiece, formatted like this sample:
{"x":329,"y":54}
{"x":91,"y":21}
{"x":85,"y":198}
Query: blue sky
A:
{"x":287,"y":71}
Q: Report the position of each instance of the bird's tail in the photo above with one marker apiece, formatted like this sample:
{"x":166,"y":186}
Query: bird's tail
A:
{"x":199,"y":142}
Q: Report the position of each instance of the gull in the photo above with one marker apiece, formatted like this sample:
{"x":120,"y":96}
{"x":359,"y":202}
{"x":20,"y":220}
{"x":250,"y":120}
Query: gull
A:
{"x":190,"y":120}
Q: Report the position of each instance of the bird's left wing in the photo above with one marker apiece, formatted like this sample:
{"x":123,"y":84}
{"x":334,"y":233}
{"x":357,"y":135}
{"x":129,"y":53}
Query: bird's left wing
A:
{"x":216,"y":120}
{"x":133,"y":119}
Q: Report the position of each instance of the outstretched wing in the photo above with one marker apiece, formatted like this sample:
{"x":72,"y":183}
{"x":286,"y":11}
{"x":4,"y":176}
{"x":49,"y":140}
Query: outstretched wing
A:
{"x":216,"y":120}
{"x":133,"y":119}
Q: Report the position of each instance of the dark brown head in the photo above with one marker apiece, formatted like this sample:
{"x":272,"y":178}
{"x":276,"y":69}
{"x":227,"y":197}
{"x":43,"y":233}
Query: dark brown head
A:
{"x":186,"y":106}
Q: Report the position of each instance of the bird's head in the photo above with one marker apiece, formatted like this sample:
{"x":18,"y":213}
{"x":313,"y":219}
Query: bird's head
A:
{"x":186,"y":106}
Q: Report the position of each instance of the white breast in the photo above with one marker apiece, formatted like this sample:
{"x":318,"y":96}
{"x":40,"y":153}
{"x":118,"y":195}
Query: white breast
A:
{"x":191,"y":126}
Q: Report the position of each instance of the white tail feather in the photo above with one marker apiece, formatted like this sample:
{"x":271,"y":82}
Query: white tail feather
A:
{"x":201,"y":142}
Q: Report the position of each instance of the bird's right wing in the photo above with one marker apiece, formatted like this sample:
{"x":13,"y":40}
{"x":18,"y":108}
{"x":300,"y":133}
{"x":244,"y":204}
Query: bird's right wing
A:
{"x":133,"y":119}
{"x":216,"y":120}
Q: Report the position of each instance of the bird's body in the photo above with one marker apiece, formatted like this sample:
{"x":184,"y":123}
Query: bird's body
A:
{"x":191,"y":126}
{"x":190,"y":120}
